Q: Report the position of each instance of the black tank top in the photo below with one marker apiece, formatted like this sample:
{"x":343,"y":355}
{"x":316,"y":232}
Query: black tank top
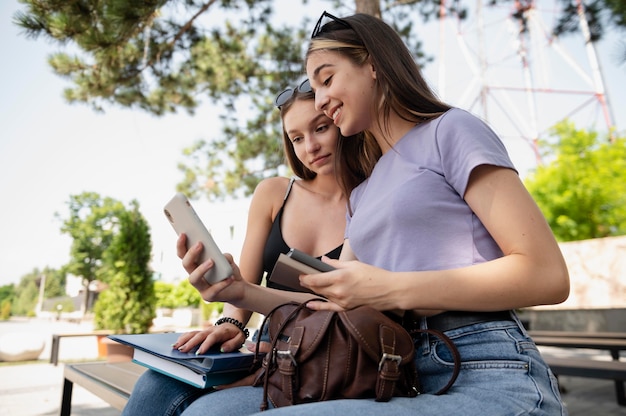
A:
{"x":275,"y":243}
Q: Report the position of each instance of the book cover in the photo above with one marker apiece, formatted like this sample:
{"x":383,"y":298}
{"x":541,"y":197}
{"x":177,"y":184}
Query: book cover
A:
{"x":212,"y":368}
{"x":289,"y":267}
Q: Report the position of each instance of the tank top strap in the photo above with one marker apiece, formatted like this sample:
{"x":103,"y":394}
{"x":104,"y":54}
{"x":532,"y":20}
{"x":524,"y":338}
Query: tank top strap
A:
{"x":291,"y":181}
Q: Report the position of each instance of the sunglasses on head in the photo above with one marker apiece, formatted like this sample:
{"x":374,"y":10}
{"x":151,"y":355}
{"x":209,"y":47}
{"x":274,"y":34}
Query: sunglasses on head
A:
{"x":283,"y":97}
{"x":319,"y":28}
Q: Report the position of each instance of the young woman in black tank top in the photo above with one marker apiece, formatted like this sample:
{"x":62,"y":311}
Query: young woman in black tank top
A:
{"x":306,"y":212}
{"x":276,"y":244}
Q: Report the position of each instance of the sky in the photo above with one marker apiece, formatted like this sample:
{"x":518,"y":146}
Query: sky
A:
{"x":50,"y":150}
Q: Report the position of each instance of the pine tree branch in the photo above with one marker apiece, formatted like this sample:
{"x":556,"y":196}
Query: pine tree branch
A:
{"x":187,"y":26}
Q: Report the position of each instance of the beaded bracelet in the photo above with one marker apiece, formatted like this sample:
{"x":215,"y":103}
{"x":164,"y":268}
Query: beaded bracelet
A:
{"x":235,"y":322}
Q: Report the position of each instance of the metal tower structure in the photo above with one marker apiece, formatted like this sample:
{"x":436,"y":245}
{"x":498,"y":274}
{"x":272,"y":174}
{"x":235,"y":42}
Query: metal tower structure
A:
{"x":505,"y":65}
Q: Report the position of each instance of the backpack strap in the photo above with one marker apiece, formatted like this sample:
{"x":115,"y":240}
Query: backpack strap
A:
{"x":455,"y":355}
{"x":389,"y":365}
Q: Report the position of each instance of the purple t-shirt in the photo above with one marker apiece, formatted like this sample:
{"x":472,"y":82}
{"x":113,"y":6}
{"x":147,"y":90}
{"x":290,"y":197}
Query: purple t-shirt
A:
{"x":409,"y":215}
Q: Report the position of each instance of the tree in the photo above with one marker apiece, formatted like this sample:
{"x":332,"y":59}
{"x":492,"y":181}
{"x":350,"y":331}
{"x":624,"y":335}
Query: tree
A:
{"x":581,"y":191}
{"x":180,"y":295}
{"x":54,"y":280}
{"x":7,"y":296}
{"x":7,"y":292}
{"x":25,"y":298}
{"x":91,"y":223}
{"x":600,"y":14}
{"x":164,"y":56}
{"x":128,"y":303}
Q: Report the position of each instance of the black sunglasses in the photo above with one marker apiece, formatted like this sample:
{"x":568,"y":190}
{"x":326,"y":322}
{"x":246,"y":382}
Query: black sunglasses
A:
{"x":319,"y":27}
{"x":283,"y":97}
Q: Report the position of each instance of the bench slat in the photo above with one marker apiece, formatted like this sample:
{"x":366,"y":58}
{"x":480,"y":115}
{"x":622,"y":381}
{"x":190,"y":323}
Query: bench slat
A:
{"x":580,"y":367}
{"x":577,"y":334}
{"x":56,"y":341}
{"x":582,"y":342}
{"x":112,"y":382}
{"x":121,"y":376}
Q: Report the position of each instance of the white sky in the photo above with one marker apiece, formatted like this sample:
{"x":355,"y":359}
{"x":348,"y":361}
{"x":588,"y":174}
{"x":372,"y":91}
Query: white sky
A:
{"x":50,"y":150}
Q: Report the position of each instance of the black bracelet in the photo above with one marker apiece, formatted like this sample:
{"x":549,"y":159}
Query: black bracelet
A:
{"x":235,"y":322}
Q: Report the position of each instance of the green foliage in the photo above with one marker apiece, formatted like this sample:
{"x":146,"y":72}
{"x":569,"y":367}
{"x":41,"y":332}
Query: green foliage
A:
{"x":165,"y":56}
{"x":599,"y":14}
{"x":581,"y":192}
{"x":26,"y":298}
{"x":5,"y":309}
{"x":163,"y":293}
{"x":26,"y":294}
{"x":128,"y":304}
{"x":7,"y":292}
{"x":179,"y":295}
{"x":186,"y":295}
{"x":55,"y":282}
{"x":211,"y":309}
{"x":92,"y":223}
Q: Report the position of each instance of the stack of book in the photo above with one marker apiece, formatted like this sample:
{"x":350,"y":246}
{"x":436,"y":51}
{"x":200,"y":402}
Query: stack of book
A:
{"x":212,"y":368}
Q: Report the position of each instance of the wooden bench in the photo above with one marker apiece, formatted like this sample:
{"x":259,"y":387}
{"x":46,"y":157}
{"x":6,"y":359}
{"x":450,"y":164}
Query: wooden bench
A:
{"x":112,"y":382}
{"x":56,"y":341}
{"x":613,"y":345}
{"x":577,"y":334}
{"x":582,"y":367}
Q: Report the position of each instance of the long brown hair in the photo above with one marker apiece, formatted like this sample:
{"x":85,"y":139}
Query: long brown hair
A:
{"x":292,"y":160}
{"x":364,"y":39}
{"x":400,"y":86}
{"x":350,"y":170}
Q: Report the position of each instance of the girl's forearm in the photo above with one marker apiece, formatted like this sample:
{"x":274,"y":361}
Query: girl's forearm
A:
{"x":262,"y":299}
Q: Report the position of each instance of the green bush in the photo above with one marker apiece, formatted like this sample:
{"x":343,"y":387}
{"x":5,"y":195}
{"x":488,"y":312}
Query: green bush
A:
{"x":5,"y":310}
{"x":128,"y":304}
{"x":186,"y":295}
{"x":208,"y":309}
{"x":164,"y":293}
{"x":181,"y":295}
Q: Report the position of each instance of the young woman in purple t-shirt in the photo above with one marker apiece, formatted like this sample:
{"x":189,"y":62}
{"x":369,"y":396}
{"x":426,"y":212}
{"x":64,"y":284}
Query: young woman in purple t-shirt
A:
{"x":442,"y":229}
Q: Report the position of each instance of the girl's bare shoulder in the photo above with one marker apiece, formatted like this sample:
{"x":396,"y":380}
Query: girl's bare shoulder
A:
{"x":271,"y":188}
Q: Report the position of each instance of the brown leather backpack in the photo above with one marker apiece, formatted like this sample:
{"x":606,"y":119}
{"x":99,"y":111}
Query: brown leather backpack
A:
{"x":326,"y":355}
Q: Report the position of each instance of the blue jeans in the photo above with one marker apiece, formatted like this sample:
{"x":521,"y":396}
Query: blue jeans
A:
{"x":158,"y":394}
{"x":502,"y":373}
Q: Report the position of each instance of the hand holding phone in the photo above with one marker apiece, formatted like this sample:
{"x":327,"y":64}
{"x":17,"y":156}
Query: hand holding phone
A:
{"x":184,"y":219}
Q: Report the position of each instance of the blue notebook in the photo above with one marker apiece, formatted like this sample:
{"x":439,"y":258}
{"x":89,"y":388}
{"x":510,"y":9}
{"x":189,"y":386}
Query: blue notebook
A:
{"x":213,"y":368}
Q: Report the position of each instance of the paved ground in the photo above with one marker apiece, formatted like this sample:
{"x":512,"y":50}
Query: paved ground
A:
{"x":34,"y":388}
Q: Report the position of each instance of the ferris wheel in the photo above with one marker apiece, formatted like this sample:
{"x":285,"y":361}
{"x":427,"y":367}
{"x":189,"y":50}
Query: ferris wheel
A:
{"x":504,"y":64}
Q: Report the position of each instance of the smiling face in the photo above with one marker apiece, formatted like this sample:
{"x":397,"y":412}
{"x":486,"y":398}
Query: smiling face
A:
{"x":312,"y":135}
{"x":343,"y":90}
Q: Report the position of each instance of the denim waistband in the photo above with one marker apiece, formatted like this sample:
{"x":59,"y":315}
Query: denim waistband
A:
{"x":449,"y":320}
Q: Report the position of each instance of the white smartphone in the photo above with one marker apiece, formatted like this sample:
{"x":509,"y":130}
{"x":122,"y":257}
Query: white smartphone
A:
{"x":184,"y":219}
